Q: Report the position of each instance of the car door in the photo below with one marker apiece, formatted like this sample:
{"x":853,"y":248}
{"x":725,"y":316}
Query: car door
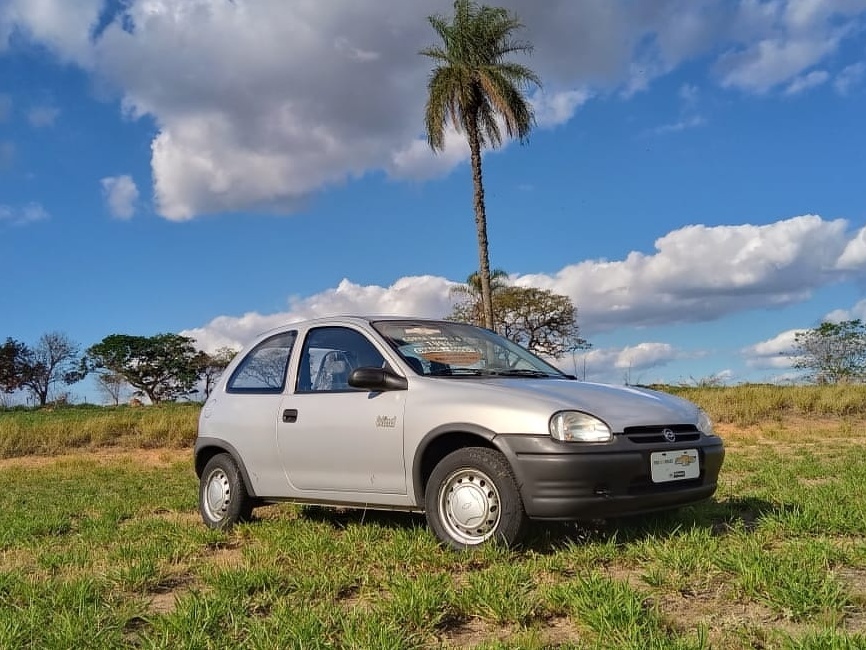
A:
{"x":334,"y":438}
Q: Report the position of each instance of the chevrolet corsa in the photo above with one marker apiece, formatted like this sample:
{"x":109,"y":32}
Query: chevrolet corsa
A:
{"x":445,"y":418}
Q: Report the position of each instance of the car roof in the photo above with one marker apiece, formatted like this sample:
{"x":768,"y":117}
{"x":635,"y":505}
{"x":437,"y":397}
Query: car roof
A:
{"x":337,"y":319}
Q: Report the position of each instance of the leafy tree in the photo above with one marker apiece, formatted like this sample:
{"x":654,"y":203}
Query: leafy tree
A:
{"x":54,"y":360}
{"x":537,"y":319}
{"x":12,"y":354}
{"x":211,"y":366}
{"x":832,"y":352}
{"x":475,"y":87}
{"x":162,"y":367}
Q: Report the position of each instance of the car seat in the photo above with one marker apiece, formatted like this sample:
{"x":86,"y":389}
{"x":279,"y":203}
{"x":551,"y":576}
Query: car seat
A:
{"x":333,"y":372}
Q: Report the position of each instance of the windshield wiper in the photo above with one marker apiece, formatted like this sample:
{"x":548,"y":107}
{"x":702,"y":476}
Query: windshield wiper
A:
{"x":523,"y":372}
{"x":484,"y":372}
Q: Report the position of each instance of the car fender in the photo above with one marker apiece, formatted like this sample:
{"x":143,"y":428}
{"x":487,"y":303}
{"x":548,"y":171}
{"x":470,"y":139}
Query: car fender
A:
{"x":220,"y":446}
{"x":461,"y":435}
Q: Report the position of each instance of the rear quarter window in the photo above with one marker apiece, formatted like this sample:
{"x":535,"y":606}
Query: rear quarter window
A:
{"x":263,"y":369}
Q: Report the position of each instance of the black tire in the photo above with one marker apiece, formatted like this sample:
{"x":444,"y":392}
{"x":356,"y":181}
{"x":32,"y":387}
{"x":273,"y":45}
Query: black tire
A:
{"x":481,"y":482}
{"x":223,"y":500}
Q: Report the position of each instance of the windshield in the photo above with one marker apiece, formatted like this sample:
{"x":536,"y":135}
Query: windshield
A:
{"x":444,"y":349}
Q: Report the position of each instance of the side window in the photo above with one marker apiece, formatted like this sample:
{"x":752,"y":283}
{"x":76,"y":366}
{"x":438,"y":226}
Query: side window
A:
{"x":330,"y":354}
{"x":263,"y":370}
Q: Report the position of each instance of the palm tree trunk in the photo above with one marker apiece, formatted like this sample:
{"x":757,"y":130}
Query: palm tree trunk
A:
{"x":480,"y":224}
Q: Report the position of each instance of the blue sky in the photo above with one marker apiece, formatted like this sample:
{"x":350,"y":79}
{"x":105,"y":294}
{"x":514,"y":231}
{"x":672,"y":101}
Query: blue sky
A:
{"x":694,"y":183}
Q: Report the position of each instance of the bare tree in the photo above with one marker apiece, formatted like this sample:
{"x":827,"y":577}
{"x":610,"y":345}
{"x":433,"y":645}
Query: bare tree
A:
{"x":111,"y":385}
{"x":213,"y":365}
{"x":53,"y":361}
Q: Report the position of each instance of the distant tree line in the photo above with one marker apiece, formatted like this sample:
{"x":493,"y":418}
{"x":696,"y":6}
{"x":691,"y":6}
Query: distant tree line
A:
{"x":168,"y":367}
{"x":164,"y":367}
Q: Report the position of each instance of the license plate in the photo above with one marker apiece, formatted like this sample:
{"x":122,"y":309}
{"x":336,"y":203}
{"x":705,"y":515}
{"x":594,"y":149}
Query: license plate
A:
{"x":679,"y":465}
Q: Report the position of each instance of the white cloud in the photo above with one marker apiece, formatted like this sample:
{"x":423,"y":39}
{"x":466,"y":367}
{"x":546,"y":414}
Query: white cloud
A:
{"x":63,"y":26}
{"x":637,"y":357}
{"x":772,"y":62}
{"x":697,"y":273}
{"x":120,"y":193}
{"x":849,"y":77}
{"x":423,"y":296}
{"x":854,"y":255}
{"x":553,"y":109}
{"x":774,"y":353}
{"x":807,"y":82}
{"x":858,"y":311}
{"x":246,"y":122}
{"x":418,"y":162}
{"x":42,"y":116}
{"x":682,"y":125}
{"x":700,"y":273}
{"x":779,"y":40}
{"x":20,"y":216}
{"x":628,"y":364}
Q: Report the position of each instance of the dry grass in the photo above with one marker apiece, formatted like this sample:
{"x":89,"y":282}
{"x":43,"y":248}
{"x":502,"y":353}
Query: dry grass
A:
{"x":751,"y":404}
{"x":50,"y":431}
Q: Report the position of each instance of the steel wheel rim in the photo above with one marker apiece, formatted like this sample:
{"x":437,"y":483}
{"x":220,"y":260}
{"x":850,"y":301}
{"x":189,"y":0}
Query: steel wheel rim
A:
{"x":469,"y":506}
{"x":217,"y":495}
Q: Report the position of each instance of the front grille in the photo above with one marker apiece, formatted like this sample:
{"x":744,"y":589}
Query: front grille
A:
{"x":654,"y":435}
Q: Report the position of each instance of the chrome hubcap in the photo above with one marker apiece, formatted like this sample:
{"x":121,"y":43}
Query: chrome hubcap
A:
{"x":217,"y":495}
{"x":469,"y":506}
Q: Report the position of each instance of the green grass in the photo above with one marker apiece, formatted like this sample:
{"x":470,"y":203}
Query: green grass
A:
{"x":107,"y":550}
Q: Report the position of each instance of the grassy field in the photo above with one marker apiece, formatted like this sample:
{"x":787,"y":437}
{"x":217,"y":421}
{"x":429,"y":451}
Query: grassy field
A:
{"x":101,"y":546}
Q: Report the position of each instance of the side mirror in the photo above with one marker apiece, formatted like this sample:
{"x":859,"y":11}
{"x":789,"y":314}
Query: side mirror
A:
{"x":377,"y":379}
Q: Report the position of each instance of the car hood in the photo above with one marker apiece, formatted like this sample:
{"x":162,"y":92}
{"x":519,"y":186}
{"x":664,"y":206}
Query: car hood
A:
{"x":618,"y":406}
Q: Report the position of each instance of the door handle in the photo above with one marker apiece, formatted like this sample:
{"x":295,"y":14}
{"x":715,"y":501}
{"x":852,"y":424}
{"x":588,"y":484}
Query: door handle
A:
{"x":290,"y":415}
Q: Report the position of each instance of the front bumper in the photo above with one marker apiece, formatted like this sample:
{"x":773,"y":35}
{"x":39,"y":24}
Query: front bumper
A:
{"x":573,"y":481}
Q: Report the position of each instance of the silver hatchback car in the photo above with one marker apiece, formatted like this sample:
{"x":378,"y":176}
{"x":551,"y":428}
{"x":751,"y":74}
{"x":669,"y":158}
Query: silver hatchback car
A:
{"x":445,"y":418}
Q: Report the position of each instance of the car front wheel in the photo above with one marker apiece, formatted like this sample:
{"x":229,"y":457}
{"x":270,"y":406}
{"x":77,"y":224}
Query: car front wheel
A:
{"x":223,"y":499}
{"x":472,"y":497}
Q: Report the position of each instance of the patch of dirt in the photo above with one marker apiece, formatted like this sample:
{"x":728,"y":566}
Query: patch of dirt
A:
{"x":725,"y":618}
{"x":550,"y":633}
{"x":470,"y":633}
{"x":162,"y":603}
{"x":228,"y":558}
{"x":166,"y":594}
{"x":855,"y":580}
{"x":803,"y":430}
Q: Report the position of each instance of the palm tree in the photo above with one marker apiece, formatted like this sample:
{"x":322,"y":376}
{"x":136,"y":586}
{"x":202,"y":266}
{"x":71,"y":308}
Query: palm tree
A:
{"x":471,"y":85}
{"x":471,"y":306}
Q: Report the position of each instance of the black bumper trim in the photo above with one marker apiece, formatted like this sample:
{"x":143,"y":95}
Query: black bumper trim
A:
{"x":573,"y":481}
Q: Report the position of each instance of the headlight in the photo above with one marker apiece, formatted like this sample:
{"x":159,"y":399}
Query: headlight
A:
{"x":574,"y":426}
{"x":705,"y":424}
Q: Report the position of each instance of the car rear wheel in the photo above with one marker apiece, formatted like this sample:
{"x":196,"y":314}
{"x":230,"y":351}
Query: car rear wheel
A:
{"x":223,"y":499}
{"x":472,"y":497}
